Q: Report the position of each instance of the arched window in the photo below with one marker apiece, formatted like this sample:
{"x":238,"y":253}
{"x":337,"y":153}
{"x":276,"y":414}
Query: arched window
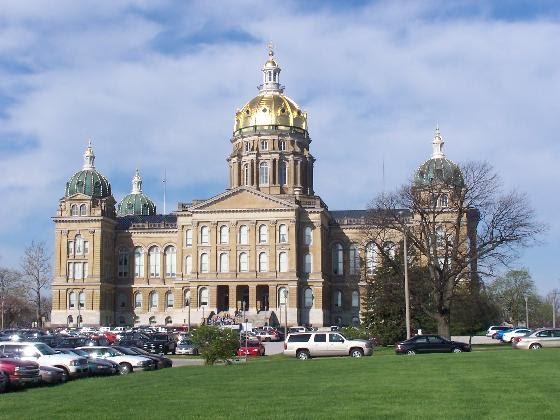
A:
{"x":308,"y":298}
{"x":243,"y":262}
{"x":154,"y":300}
{"x":71,"y":300}
{"x":337,"y":260}
{"x":169,"y":300}
{"x":204,"y":236}
{"x":307,"y":263}
{"x":74,"y":210}
{"x":204,"y":263}
{"x":389,"y":249}
{"x":152,"y":320}
{"x":203,"y":297}
{"x":123,"y":262}
{"x":187,"y":298}
{"x":263,"y":173}
{"x":370,"y":257}
{"x":83,"y":210}
{"x":338,"y":299}
{"x":246,"y":174}
{"x":355,"y":299}
{"x":354,"y":256}
{"x":170,"y":261}
{"x":282,"y":172}
{"x":283,"y":234}
{"x":224,"y":234}
{"x":188,"y":237}
{"x":263,"y":234}
{"x":154,"y":261}
{"x":138,"y":300}
{"x":121,"y":299}
{"x":168,"y":320}
{"x":69,"y":320}
{"x":282,"y":296}
{"x":308,"y":235}
{"x":263,"y":262}
{"x":188,"y":264}
{"x":82,"y":300}
{"x":243,"y":235}
{"x":283,"y":262}
{"x":138,"y":262}
{"x":224,"y":262}
{"x":79,"y":245}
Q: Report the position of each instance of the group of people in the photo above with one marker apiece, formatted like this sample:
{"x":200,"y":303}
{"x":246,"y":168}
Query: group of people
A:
{"x":222,"y":320}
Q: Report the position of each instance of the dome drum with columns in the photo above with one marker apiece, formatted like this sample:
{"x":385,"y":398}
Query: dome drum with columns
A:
{"x":267,"y":245}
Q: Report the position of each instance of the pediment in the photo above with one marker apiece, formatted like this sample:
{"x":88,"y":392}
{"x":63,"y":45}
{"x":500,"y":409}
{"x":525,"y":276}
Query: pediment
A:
{"x":78,"y":196}
{"x":243,"y":198}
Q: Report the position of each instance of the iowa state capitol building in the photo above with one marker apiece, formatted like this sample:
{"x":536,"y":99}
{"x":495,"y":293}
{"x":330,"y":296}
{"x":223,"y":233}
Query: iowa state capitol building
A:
{"x":268,"y":244}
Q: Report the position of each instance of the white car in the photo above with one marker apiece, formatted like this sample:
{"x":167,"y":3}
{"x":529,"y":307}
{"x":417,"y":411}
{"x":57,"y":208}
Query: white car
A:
{"x":493,"y":329}
{"x":128,"y":363}
{"x":518,"y":332}
{"x":73,"y":365}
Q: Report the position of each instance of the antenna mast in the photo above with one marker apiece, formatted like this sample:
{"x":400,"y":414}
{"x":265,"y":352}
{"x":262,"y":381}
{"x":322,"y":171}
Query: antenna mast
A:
{"x":164,"y":188}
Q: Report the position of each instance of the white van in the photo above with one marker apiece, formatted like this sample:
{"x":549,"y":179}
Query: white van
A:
{"x":323,"y":343}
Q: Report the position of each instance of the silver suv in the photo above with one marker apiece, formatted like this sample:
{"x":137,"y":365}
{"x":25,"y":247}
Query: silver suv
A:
{"x":322,"y":343}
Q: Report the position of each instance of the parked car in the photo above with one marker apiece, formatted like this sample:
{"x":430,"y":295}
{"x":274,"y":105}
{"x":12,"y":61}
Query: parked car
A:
{"x":430,"y":344}
{"x":544,"y":337}
{"x":493,"y":329}
{"x":186,"y":346}
{"x":508,"y":336}
{"x":251,"y":348}
{"x":19,"y":372}
{"x":52,"y":375}
{"x":268,"y":334}
{"x":74,"y":366}
{"x":498,"y":335}
{"x":95,"y":366}
{"x":311,"y":344}
{"x":160,"y":343}
{"x":159,"y":361}
{"x":128,"y":363}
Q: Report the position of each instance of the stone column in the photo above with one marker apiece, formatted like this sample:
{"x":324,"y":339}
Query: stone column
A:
{"x":272,"y":257}
{"x":272,"y":297}
{"x":253,"y":298}
{"x":232,"y":299}
{"x":212,"y":298}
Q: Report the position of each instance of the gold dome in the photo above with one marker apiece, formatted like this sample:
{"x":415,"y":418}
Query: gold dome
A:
{"x":271,"y":108}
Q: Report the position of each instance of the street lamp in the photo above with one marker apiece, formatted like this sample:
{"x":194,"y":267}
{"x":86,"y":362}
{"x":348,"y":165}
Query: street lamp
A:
{"x":405,"y":262}
{"x":527,"y":311}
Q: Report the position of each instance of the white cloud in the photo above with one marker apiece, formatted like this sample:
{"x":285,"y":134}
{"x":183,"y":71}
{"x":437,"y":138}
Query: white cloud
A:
{"x":374,"y":81}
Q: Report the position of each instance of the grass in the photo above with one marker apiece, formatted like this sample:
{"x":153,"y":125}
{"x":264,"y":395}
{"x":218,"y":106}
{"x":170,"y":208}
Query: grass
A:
{"x":494,"y":383}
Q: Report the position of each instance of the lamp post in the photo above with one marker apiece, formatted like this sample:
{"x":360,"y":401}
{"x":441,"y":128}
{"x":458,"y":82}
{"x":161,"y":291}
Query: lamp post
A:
{"x":406,"y":291}
{"x":554,"y":296}
{"x":527,"y":311}
{"x":285,"y":313}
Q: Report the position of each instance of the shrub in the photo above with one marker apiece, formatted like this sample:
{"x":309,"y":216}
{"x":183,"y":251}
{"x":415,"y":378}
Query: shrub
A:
{"x":215,"y":343}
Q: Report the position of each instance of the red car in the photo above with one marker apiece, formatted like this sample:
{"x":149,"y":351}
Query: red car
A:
{"x":19,"y":372}
{"x":252,"y":348}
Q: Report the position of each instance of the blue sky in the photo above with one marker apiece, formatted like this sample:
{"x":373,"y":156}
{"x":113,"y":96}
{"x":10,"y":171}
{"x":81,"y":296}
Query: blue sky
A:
{"x":155,"y":84}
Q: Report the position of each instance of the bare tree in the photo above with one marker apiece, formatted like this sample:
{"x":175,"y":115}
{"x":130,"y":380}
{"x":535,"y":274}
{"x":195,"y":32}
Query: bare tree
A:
{"x":9,"y":282}
{"x":460,"y":226}
{"x":36,"y":268}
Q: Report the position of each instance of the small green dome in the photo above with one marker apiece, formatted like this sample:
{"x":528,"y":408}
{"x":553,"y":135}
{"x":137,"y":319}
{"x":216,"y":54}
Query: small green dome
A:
{"x":439,"y":169}
{"x":136,"y":203}
{"x":88,"y":181}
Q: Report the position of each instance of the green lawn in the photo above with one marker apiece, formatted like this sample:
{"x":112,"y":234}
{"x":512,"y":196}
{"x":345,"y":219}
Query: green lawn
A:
{"x":489,"y":383}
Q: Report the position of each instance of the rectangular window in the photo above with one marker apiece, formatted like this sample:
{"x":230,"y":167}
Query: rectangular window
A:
{"x":264,"y":145}
{"x":86,"y":247}
{"x":70,"y":270}
{"x":320,"y":338}
{"x":282,"y":145}
{"x":78,"y":270}
{"x":188,"y":237}
{"x":70,"y":248}
{"x":85,"y":270}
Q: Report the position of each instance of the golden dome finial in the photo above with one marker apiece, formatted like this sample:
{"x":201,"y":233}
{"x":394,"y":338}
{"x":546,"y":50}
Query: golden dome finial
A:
{"x":270,"y":47}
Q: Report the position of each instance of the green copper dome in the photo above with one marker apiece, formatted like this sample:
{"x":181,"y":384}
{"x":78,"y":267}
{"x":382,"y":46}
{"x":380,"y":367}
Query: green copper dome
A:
{"x":439,"y":169}
{"x":136,"y":203}
{"x":88,"y":181}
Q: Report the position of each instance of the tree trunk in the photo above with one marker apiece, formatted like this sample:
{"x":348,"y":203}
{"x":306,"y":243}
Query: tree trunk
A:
{"x":443,"y":325}
{"x":39,"y":309}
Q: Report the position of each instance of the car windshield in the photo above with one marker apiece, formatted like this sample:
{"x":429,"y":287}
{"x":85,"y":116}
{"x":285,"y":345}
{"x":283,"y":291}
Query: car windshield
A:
{"x":44,"y":349}
{"x":79,"y":352}
{"x":185,"y":342}
{"x":111,"y":352}
{"x":139,"y":351}
{"x":126,"y":350}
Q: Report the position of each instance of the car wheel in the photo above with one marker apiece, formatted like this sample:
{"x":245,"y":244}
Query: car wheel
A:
{"x":410,"y":352}
{"x":457,"y":350}
{"x":65,"y":375}
{"x":126,"y":368}
{"x":535,"y":346}
{"x":356,"y":353}
{"x":302,"y":354}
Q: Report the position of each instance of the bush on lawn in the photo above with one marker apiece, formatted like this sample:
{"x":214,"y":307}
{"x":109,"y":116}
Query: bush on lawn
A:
{"x":215,"y":343}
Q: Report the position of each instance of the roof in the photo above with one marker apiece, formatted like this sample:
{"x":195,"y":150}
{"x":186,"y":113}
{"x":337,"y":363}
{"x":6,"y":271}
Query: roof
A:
{"x":153,"y":221}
